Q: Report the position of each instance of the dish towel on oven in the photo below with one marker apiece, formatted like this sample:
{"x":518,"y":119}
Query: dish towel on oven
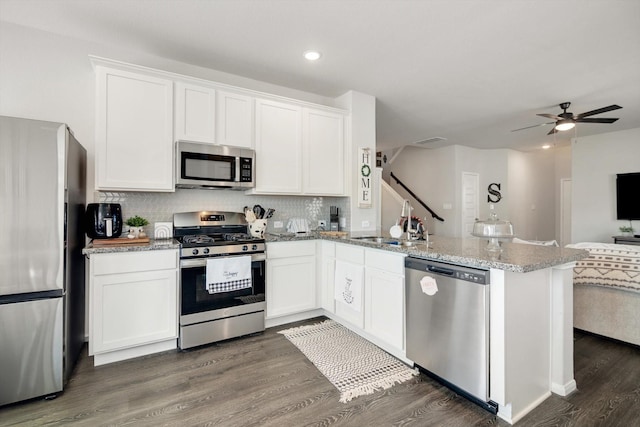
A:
{"x":348,"y":284}
{"x":225,"y":274}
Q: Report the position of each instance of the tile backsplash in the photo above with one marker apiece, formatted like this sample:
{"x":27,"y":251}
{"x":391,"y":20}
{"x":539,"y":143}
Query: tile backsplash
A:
{"x":160,"y":207}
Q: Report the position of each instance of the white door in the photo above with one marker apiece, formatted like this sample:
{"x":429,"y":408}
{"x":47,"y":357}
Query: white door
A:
{"x":565,"y":211}
{"x":470,"y":205}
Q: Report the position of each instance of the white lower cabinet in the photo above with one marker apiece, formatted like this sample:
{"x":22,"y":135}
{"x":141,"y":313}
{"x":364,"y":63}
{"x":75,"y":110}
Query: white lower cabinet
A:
{"x":291,"y":278}
{"x":381,"y":318}
{"x":133,"y":304}
{"x":384,"y":297}
{"x":353,"y":257}
{"x":326,"y":272}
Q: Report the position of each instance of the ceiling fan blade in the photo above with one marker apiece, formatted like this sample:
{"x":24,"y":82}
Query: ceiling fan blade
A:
{"x":598,"y":111}
{"x":552,"y":131}
{"x":602,"y":120}
{"x":550,"y":116}
{"x":534,"y":126}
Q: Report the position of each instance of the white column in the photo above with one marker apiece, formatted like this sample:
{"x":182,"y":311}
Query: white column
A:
{"x":562,"y":381}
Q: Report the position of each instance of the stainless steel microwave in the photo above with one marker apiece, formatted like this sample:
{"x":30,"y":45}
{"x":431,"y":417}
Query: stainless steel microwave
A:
{"x":201,"y":165}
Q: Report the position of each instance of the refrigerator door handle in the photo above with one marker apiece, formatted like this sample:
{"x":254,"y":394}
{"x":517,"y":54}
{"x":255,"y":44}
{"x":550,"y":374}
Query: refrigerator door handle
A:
{"x":30,"y":296}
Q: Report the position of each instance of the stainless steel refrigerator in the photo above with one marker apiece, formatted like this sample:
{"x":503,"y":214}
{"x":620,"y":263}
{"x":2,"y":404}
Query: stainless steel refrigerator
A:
{"x":42,"y":202}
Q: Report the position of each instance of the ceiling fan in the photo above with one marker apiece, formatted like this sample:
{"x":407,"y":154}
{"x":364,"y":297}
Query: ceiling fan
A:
{"x":567,"y":120}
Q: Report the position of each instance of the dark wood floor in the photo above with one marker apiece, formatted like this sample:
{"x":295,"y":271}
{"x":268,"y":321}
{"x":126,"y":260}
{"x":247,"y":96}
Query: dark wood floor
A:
{"x":264,"y":380}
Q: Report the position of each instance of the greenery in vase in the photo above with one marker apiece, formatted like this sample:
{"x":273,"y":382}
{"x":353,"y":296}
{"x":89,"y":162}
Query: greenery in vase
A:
{"x":137,"y":221}
{"x":626,"y":229}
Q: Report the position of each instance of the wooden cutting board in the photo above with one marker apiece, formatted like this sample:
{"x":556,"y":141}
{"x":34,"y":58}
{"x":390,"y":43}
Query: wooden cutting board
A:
{"x":334,"y":233}
{"x":120,"y":241}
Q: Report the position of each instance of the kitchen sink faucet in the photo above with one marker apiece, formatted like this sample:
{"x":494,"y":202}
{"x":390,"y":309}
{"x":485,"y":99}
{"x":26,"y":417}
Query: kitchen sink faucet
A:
{"x":406,"y":213}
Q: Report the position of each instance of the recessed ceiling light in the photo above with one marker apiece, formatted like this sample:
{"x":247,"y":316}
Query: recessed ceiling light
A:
{"x":546,"y":146}
{"x":312,"y":55}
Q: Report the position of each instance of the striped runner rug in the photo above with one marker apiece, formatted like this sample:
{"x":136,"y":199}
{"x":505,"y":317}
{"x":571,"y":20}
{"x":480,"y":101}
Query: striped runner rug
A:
{"x":354,"y":366}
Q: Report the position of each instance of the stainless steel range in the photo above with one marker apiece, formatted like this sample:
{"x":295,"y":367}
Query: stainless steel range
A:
{"x":222,"y":277}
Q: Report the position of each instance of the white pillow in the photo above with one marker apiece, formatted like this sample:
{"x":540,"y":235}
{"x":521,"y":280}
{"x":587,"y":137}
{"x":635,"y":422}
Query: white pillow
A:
{"x":536,"y":242}
{"x":599,"y":245}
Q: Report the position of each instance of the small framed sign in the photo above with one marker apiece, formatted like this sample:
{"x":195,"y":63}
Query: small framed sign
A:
{"x":365,"y":178}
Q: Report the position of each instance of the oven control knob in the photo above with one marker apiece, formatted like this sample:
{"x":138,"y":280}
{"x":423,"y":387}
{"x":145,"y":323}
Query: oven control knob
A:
{"x":195,"y":252}
{"x":205,"y":250}
{"x":254,"y":247}
{"x":245,"y":248}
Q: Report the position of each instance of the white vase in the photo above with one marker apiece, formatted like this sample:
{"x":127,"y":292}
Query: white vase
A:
{"x":258,"y":227}
{"x":134,"y":232}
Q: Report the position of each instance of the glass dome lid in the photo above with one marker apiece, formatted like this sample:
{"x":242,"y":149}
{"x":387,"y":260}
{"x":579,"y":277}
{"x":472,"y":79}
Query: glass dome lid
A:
{"x":493,"y":229}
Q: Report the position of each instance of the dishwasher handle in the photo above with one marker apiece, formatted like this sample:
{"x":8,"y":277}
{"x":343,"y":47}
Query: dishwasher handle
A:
{"x":460,"y":272}
{"x":440,"y":270}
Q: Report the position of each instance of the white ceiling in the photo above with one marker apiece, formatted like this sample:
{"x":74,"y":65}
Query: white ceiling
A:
{"x":469,"y":71}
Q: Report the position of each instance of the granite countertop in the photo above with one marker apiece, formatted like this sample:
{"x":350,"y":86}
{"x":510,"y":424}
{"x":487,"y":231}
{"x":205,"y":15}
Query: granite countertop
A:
{"x":515,"y":257}
{"x":153,"y":245}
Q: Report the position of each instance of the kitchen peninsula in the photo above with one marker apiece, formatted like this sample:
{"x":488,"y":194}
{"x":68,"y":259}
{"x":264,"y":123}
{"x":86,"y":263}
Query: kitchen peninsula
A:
{"x":530,"y":300}
{"x":531,"y":315}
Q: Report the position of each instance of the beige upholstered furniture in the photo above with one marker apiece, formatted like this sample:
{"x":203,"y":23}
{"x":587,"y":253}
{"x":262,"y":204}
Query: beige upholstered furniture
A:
{"x":606,"y":296}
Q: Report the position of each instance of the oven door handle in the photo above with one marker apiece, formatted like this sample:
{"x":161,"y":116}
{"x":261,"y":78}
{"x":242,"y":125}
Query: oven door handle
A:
{"x":201,"y":262}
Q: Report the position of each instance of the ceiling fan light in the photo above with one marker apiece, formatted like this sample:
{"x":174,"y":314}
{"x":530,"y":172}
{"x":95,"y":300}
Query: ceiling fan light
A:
{"x":565,"y":125}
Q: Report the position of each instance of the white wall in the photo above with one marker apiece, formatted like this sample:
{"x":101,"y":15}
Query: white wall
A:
{"x":361,"y":134}
{"x":595,"y":162}
{"x":532,"y":201}
{"x":562,"y":171}
{"x":492,"y":167}
{"x":528,"y":186}
{"x":423,"y":172}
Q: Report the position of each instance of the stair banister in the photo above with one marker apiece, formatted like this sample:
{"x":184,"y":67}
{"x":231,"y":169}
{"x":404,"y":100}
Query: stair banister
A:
{"x":433,"y":214}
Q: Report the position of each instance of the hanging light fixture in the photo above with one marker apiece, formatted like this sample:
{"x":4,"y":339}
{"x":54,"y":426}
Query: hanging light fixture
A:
{"x":565,"y":124}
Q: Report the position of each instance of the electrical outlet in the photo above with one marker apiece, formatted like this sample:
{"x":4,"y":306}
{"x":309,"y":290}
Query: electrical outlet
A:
{"x":322,"y":223}
{"x":365,"y":224}
{"x":278,"y":224}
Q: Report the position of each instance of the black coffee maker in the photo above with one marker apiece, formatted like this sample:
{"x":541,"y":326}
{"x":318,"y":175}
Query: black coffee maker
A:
{"x":334,"y":219}
{"x":103,"y":220}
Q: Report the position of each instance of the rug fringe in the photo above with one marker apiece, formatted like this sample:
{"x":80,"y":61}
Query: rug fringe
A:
{"x":382,"y":384}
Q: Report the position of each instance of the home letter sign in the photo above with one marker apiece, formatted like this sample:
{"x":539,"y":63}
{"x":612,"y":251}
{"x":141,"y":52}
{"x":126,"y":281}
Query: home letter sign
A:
{"x":364,"y":179}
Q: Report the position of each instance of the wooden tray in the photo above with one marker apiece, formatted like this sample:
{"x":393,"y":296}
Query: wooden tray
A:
{"x":334,"y":233}
{"x":120,"y":241}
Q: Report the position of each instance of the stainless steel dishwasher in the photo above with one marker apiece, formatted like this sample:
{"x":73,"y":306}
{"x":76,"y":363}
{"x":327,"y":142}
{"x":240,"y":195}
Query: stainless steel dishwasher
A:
{"x":448,"y":332}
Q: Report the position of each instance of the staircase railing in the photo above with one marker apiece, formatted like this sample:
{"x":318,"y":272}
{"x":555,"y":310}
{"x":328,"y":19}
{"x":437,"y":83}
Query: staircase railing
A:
{"x":424,"y":205}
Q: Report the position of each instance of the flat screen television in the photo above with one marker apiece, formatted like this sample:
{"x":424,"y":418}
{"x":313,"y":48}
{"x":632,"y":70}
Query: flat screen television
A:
{"x":628,"y":196}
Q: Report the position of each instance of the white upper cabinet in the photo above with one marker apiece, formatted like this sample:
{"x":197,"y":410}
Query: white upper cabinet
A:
{"x":278,"y":147}
{"x":300,"y":147}
{"x":209,"y":115}
{"x":134,"y":131}
{"x":234,"y":119}
{"x":299,"y":150}
{"x":322,"y":152}
{"x":195,"y":113}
